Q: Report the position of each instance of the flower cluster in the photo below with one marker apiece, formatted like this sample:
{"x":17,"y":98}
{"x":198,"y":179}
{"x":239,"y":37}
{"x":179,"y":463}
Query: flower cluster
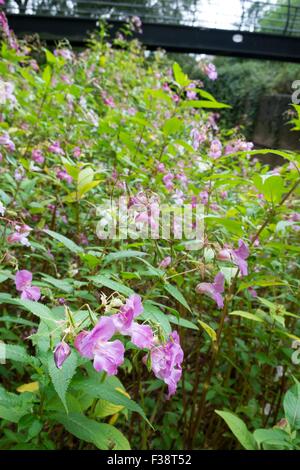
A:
{"x":107,"y":355}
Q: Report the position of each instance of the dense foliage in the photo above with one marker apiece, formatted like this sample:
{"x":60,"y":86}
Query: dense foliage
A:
{"x":112,"y":343}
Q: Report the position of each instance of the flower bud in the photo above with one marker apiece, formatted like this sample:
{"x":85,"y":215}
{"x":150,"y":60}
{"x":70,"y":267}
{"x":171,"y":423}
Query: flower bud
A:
{"x":61,"y":352}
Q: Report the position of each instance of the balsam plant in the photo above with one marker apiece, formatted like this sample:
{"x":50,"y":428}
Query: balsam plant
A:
{"x":111,"y":343}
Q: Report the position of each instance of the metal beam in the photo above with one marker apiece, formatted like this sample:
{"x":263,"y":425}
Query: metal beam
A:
{"x":174,"y":38}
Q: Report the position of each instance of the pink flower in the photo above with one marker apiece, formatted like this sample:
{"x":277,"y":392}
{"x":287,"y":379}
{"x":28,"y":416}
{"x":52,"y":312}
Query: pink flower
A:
{"x":190,"y":93}
{"x":160,"y":167}
{"x":19,"y":173}
{"x":64,"y":176}
{"x":166,"y":360}
{"x":211,"y":71}
{"x":165,"y":262}
{"x":7,"y":143}
{"x":141,"y":335}
{"x":107,"y":355}
{"x":198,"y":138}
{"x":167,"y":179}
{"x":213,"y":290}
{"x":20,"y":235}
{"x":37,"y":156}
{"x":61,"y":352}
{"x":175,"y":98}
{"x":252,"y":292}
{"x":224,"y":194}
{"x":109,"y":101}
{"x":76,"y":152}
{"x":239,"y":257}
{"x":215,"y":149}
{"x":56,"y":148}
{"x":23,"y":281}
{"x":204,"y":197}
{"x":295,"y":217}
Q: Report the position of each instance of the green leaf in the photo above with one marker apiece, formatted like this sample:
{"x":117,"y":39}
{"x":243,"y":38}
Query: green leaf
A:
{"x":174,"y":292}
{"x":182,"y":322}
{"x":13,"y":407}
{"x":123,"y":254}
{"x":273,"y":437}
{"x":204,"y":104}
{"x":18,"y":354}
{"x":291,"y":405}
{"x":154,"y":314}
{"x":180,"y":77}
{"x":65,"y":241}
{"x":109,"y":393}
{"x":172,"y":126}
{"x":103,"y":436}
{"x":271,"y":186}
{"x":113,"y":285}
{"x":61,"y":378}
{"x":239,"y":429}
{"x":248,"y":315}
{"x":209,"y":330}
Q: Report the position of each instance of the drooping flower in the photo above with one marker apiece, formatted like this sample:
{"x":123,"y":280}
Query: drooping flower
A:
{"x":160,"y":167}
{"x":167,"y":179}
{"x":61,"y":352}
{"x":204,"y":197}
{"x":20,"y":235}
{"x":191,"y":93}
{"x":76,"y":152}
{"x":165,"y":262}
{"x":37,"y":156}
{"x":211,"y":71}
{"x":166,"y":360}
{"x":107,"y":355}
{"x":7,"y":143}
{"x":64,"y":176}
{"x":215,"y":149}
{"x":56,"y":148}
{"x":237,"y":256}
{"x":198,"y":138}
{"x":23,"y":281}
{"x":140,"y":335}
{"x":213,"y":290}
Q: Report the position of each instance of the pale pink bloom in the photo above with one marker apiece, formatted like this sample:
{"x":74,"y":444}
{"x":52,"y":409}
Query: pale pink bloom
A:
{"x":215,"y":149}
{"x":107,"y":355}
{"x":175,"y":98}
{"x":56,"y":148}
{"x":65,"y":53}
{"x":190,"y":93}
{"x":165,"y":262}
{"x":224,"y":194}
{"x":198,"y":138}
{"x":204,"y":197}
{"x":167,"y":179}
{"x":20,"y":235}
{"x":64,"y":176}
{"x":160,"y":167}
{"x":213,"y":290}
{"x":178,"y":197}
{"x":76,"y":152}
{"x":19,"y":173}
{"x":23,"y":281}
{"x":211,"y":71}
{"x":7,"y":143}
{"x":37,"y":156}
{"x":237,"y":256}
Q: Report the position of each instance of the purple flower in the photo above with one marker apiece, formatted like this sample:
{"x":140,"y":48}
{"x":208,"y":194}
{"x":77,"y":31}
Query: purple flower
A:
{"x":211,"y":71}
{"x":23,"y":281}
{"x":61,"y":352}
{"x":166,"y":360}
{"x":239,"y":257}
{"x":37,"y":156}
{"x":190,"y":93}
{"x":160,"y":167}
{"x":213,"y":290}
{"x":167,"y":179}
{"x":7,"y":143}
{"x":165,"y":262}
{"x":204,"y":197}
{"x":140,"y":335}
{"x":19,"y":173}
{"x":64,"y":176}
{"x":107,"y":355}
{"x":198,"y":138}
{"x":56,"y":148}
{"x":76,"y":152}
{"x":215,"y":149}
{"x":20,"y":235}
